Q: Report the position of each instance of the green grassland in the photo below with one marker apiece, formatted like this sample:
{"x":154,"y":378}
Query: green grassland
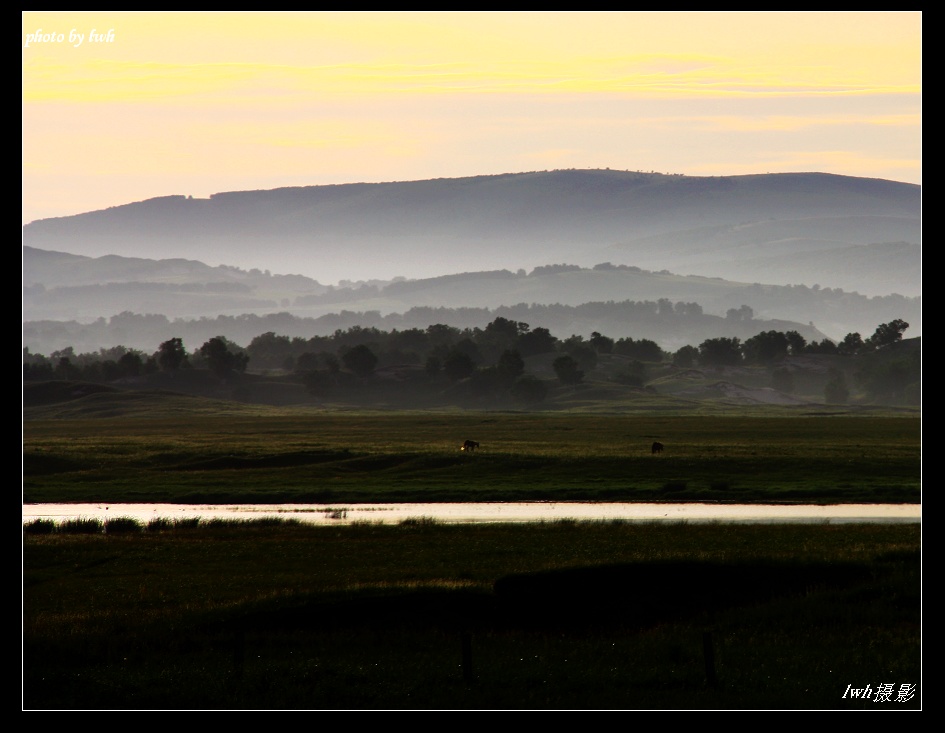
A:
{"x":561,"y":615}
{"x":264,"y":455}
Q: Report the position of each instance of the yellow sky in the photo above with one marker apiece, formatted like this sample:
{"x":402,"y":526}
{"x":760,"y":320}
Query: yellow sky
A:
{"x":160,"y":103}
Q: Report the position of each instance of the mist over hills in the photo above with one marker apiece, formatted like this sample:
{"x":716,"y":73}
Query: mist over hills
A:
{"x":844,"y":232}
{"x":574,"y":251}
{"x":91,"y":303}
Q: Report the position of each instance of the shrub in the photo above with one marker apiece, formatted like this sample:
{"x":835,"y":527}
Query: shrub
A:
{"x":567,"y":370}
{"x":122,"y":525}
{"x":40,"y":526}
{"x":81,"y":526}
{"x":159,"y":524}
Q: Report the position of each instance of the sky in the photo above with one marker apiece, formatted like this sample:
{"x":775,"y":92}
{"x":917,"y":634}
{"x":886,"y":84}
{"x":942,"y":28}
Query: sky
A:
{"x":124,"y":106}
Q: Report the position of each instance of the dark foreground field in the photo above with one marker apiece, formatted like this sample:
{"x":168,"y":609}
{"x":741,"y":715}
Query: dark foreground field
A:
{"x":562,"y":615}
{"x":424,"y":616}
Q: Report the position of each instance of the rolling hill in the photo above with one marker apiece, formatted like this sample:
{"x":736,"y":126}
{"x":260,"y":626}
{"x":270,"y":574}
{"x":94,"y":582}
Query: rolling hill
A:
{"x":140,"y":303}
{"x":798,"y":228}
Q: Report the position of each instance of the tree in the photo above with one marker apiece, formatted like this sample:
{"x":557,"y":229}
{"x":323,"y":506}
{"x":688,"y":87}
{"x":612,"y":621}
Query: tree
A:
{"x":642,"y":349}
{"x":270,"y":351}
{"x":688,"y":309}
{"x":536,"y":341}
{"x":171,"y":355}
{"x":887,"y":334}
{"x":851,"y":345}
{"x":360,"y":360}
{"x":306,"y":362}
{"x":744,"y":313}
{"x":720,"y":352}
{"x":685,"y":357}
{"x":796,"y":342}
{"x":766,"y":347}
{"x":458,"y":365}
{"x":66,"y":370}
{"x":553,"y":269}
{"x":37,"y":371}
{"x":602,"y":344}
{"x":500,"y":335}
{"x":468,"y":347}
{"x":220,"y":360}
{"x":130,"y":364}
{"x":411,"y":339}
{"x":572,"y":342}
{"x":824,"y":347}
{"x":441,"y":336}
{"x":511,"y":365}
{"x":647,"y":350}
{"x":567,"y":370}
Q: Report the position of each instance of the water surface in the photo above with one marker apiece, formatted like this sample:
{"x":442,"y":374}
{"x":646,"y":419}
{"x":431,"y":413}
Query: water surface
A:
{"x":471,"y":513}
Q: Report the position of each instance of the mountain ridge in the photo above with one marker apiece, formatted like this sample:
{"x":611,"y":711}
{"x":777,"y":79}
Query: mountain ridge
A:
{"x":92,"y":303}
{"x":416,"y":229}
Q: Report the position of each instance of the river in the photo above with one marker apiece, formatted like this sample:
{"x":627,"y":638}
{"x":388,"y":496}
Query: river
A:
{"x":471,"y":513}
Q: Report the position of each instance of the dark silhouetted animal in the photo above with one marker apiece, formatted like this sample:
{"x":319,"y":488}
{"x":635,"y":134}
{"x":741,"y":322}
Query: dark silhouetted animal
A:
{"x":657,"y":448}
{"x":469,"y":446}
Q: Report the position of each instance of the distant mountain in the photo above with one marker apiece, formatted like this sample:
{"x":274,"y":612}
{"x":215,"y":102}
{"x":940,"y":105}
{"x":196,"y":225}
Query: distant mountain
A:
{"x":61,"y":269}
{"x":801,"y":228}
{"x":91,"y":303}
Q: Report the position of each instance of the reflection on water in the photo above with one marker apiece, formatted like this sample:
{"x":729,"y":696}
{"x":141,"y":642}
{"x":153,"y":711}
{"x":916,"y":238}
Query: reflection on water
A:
{"x":463,"y":513}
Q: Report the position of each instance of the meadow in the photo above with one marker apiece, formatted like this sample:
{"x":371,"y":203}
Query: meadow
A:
{"x":267,"y":456}
{"x":562,"y":615}
{"x":559,"y":615}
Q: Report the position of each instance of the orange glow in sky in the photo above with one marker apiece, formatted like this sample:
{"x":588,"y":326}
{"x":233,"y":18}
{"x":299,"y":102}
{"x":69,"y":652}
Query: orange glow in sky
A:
{"x":124,"y":106}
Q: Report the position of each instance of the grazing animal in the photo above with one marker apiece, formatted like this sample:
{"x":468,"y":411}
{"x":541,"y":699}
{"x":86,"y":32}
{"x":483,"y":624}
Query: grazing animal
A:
{"x":470,"y":445}
{"x":657,"y":448}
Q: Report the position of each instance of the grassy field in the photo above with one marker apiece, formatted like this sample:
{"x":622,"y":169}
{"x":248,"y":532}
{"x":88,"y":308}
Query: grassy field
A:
{"x":261,"y":456}
{"x":561,"y":615}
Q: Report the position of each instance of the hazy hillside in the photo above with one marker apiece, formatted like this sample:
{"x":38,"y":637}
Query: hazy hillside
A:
{"x":63,"y":286}
{"x":139,"y":303}
{"x":615,"y":320}
{"x":771,"y":228}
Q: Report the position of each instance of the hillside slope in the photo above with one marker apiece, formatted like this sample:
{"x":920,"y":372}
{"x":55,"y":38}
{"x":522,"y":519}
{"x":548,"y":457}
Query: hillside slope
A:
{"x":91,"y":303}
{"x":728,"y":226}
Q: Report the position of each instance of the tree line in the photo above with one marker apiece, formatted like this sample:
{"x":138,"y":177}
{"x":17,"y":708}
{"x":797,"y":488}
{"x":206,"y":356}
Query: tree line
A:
{"x":491,"y":358}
